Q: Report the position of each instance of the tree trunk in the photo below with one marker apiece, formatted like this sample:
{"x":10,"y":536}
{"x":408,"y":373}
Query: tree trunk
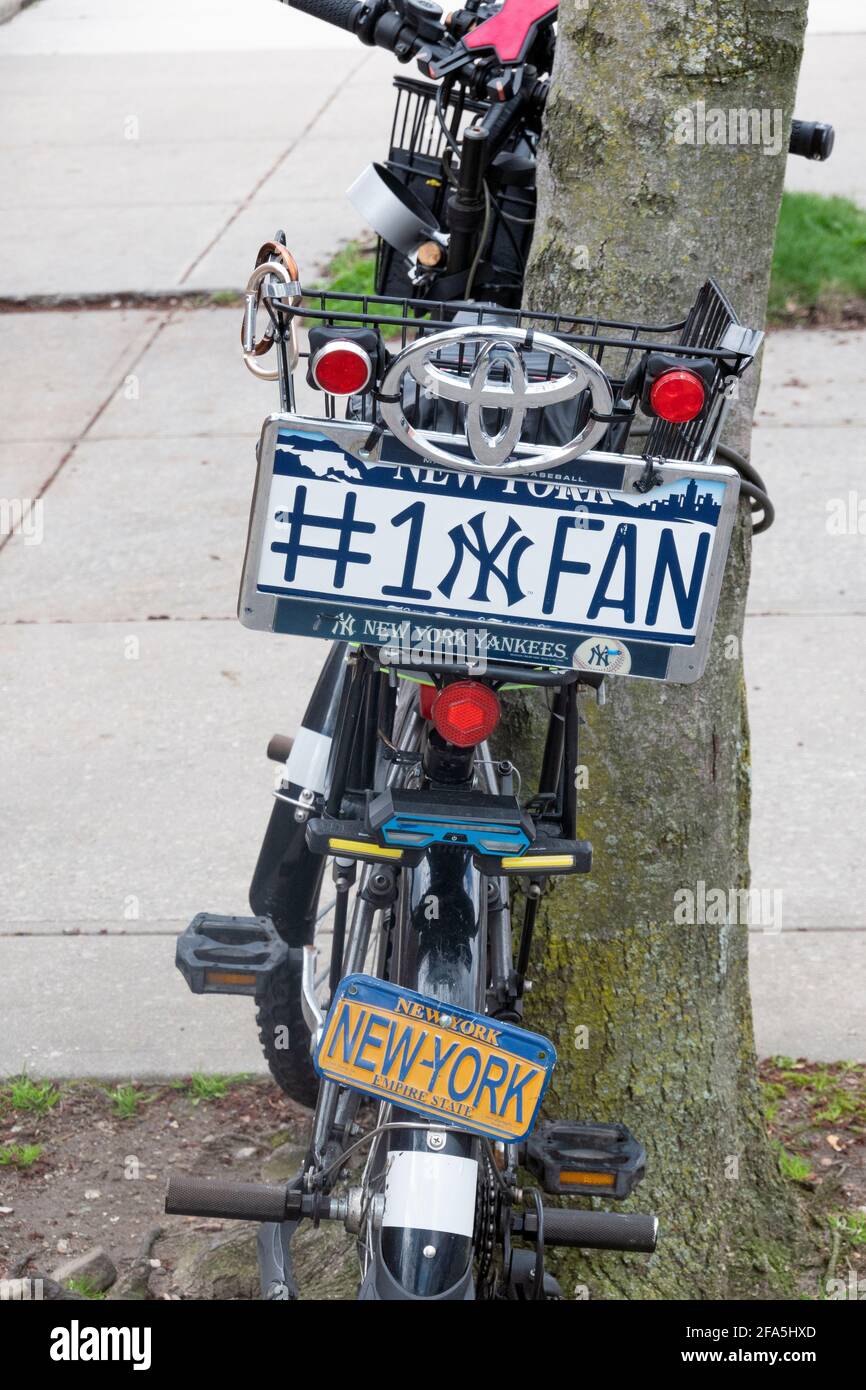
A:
{"x":631,"y":222}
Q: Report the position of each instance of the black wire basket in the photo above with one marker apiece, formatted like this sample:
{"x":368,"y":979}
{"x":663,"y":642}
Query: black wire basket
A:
{"x":428,"y":123}
{"x":710,"y":335}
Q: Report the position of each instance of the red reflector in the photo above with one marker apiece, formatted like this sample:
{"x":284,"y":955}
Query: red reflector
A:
{"x":466,"y":713}
{"x":677,"y":396}
{"x":341,"y":368}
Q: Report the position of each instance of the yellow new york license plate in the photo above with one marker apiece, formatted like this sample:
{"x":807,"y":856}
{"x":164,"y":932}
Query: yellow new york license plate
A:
{"x":474,"y":1072}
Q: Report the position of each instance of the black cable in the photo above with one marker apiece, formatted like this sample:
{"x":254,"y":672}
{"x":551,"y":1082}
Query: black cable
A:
{"x":485,"y":232}
{"x":752,"y":486}
{"x":744,"y":467}
{"x":762,"y":504}
{"x":440,"y":113}
{"x":521,"y":221}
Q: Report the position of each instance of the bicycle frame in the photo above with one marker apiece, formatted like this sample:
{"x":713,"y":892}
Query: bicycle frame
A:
{"x":364,"y":739}
{"x":469,"y":965}
{"x":435,"y":1199}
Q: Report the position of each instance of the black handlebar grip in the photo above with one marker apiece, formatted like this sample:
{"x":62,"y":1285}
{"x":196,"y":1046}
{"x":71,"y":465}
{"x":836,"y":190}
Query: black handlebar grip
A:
{"x":595,"y":1230}
{"x":342,"y":13}
{"x":236,"y":1201}
{"x":812,"y":139}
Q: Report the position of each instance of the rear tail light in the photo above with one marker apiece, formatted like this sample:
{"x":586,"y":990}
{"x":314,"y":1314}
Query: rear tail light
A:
{"x":341,"y":368}
{"x":465,"y":713}
{"x":677,"y":396}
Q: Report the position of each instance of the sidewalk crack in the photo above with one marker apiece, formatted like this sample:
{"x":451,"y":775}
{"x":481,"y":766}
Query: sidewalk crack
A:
{"x":100,"y":410}
{"x":269,"y":173}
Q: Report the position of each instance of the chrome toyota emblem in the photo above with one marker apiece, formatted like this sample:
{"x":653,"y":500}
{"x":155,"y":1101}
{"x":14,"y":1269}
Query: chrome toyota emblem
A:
{"x":485,"y":368}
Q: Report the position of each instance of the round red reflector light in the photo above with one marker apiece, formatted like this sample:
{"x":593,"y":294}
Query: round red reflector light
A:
{"x":342,"y":368}
{"x":677,"y":396}
{"x":465,"y":713}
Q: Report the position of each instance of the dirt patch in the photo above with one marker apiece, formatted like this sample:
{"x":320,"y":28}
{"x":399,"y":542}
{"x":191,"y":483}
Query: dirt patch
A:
{"x":831,"y":313}
{"x":816,"y":1117}
{"x":77,"y":1173}
{"x":86,"y":1165}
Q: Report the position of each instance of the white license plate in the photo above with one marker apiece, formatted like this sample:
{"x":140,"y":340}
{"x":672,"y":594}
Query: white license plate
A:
{"x":568,"y":568}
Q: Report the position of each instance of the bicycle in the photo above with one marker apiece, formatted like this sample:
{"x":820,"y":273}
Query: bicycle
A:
{"x":450,"y":495}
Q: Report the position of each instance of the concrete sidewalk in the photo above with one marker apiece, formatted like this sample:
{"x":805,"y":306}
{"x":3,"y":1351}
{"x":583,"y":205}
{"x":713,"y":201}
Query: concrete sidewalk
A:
{"x":136,"y":788}
{"x":189,"y":133}
{"x":137,"y":710}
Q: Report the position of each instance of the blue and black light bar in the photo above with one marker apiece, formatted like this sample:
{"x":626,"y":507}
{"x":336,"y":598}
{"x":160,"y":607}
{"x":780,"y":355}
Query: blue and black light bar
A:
{"x":480,"y":821}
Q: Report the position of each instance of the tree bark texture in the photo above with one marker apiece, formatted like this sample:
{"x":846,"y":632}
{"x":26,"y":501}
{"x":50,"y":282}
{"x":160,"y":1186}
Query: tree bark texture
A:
{"x":652,"y":1018}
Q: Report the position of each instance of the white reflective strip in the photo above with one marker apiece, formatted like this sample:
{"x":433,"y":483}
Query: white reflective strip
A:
{"x":308,"y":760}
{"x":430,"y":1192}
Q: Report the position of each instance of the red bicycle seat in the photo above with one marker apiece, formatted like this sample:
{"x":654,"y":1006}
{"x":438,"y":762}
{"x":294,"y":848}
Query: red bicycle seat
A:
{"x":509,"y":32}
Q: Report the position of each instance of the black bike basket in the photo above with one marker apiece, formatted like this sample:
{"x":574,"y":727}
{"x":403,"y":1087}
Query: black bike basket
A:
{"x":419,"y":157}
{"x":709,"y":336}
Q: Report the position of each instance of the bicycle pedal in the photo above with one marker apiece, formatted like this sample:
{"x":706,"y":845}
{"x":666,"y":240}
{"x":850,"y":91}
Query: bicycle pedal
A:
{"x":585,"y":1159}
{"x":229,"y":955}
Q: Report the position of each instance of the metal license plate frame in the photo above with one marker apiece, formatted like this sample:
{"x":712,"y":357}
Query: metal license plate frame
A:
{"x":594,"y":486}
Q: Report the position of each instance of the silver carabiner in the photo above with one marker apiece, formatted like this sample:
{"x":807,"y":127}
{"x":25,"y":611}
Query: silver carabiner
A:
{"x":253,"y":349}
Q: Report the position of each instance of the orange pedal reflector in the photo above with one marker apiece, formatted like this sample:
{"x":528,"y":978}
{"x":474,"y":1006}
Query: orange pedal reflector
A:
{"x":227,"y":977}
{"x":587,"y":1179}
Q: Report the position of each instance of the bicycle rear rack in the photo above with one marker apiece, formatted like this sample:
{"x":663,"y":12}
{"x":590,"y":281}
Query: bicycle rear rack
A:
{"x":710,"y":335}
